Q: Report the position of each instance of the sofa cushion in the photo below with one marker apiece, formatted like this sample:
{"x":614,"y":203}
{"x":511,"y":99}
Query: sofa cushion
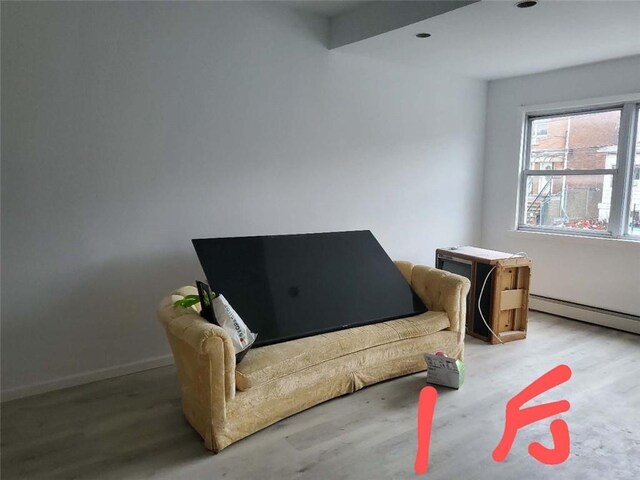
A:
{"x":264,"y":364}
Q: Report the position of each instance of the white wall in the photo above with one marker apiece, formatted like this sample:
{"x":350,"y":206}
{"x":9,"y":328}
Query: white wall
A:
{"x":129,"y":129}
{"x":598,"y":273}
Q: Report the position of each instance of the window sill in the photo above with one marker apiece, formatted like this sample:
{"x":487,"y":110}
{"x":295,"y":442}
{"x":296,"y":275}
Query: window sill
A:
{"x":576,"y":239}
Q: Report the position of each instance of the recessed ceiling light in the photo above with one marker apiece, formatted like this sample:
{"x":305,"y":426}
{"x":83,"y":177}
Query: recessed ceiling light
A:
{"x":526,"y":3}
{"x":423,"y":35}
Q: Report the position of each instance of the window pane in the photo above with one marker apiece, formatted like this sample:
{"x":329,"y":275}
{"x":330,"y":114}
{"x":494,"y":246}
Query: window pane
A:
{"x":577,"y":142}
{"x":577,"y":202}
{"x":634,"y":206}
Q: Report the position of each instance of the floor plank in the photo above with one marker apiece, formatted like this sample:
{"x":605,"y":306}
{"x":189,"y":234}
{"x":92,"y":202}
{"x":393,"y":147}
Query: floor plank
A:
{"x":132,"y":427}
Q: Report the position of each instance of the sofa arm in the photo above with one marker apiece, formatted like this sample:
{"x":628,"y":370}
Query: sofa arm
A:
{"x":405,"y":269}
{"x":201,"y":338}
{"x":443,"y":291}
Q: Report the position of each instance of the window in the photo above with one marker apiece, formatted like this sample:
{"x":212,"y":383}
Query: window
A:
{"x":633,"y":228}
{"x":580,"y":172}
{"x":539,"y":129}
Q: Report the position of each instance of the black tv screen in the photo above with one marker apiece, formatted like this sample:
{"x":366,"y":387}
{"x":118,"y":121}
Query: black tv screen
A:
{"x":290,"y":286}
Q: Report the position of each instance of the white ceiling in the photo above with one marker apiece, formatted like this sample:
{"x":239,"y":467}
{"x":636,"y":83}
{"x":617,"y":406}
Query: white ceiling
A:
{"x":493,"y":39}
{"x":327,"y":9}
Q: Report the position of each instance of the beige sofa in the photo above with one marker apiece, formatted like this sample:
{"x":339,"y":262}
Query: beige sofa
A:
{"x":226,"y":402}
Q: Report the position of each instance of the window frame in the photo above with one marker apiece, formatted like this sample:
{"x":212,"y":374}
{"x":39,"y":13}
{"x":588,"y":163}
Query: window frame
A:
{"x":622,"y":175}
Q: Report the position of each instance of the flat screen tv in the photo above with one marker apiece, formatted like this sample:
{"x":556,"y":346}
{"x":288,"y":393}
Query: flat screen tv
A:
{"x":290,"y":286}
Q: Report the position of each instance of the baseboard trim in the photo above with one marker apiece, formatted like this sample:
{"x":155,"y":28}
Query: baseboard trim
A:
{"x":86,"y":377}
{"x":585,"y":313}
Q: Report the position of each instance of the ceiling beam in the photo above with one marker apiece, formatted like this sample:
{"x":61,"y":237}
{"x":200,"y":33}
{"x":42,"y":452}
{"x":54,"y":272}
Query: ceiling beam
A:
{"x":376,"y":18}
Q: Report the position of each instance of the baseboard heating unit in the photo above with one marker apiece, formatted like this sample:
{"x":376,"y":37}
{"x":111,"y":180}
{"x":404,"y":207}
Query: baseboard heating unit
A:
{"x":584,"y":313}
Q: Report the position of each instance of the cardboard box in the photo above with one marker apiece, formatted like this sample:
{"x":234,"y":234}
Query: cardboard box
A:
{"x":445,"y":371}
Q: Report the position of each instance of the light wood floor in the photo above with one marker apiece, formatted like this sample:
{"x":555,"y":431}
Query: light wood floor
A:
{"x":132,"y":426}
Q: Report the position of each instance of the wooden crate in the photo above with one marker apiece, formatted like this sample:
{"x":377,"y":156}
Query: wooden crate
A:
{"x":510,"y":303}
{"x":505,"y":299}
